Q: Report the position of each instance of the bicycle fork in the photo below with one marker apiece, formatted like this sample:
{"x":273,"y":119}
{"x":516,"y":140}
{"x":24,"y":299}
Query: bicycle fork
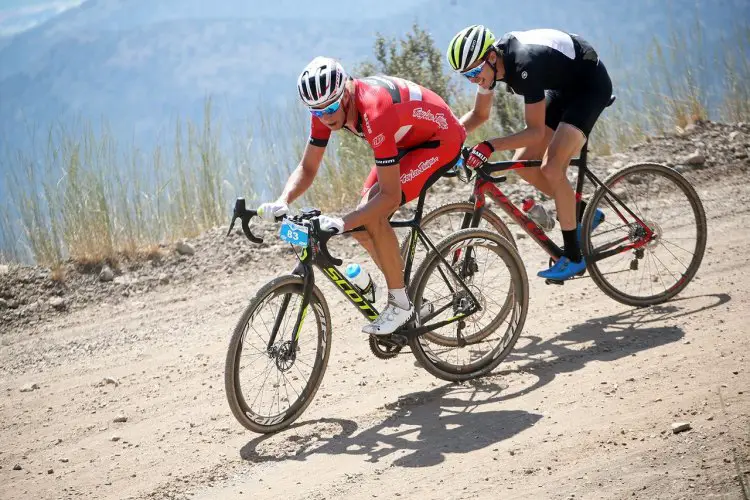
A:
{"x":308,"y":284}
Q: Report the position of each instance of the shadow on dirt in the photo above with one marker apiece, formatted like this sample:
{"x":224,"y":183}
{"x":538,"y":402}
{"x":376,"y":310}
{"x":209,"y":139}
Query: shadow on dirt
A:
{"x":607,"y":338}
{"x":424,"y":427}
{"x":421,"y":430}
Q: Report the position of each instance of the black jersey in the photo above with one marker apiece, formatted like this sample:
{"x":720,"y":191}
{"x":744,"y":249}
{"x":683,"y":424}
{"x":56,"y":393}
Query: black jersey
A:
{"x":544,"y":59}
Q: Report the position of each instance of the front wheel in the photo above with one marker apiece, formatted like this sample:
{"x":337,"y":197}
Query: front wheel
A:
{"x":269,"y":384}
{"x":627,"y":264}
{"x":475,"y":344}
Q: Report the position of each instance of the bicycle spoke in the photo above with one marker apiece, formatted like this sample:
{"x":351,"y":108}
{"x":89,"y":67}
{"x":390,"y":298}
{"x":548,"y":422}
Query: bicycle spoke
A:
{"x":286,"y":388}
{"x":291,"y":317}
{"x":269,"y":365}
{"x":258,"y":355}
{"x":643,"y":276}
{"x":663,"y":243}
{"x":304,"y":363}
{"x":658,"y":260}
{"x":265,"y":325}
{"x":636,"y":208}
{"x":265,"y":379}
{"x":672,"y":254}
{"x":278,"y":394}
{"x":263,"y":342}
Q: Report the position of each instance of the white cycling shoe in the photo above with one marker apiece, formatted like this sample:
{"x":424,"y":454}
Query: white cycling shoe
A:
{"x":391,"y":319}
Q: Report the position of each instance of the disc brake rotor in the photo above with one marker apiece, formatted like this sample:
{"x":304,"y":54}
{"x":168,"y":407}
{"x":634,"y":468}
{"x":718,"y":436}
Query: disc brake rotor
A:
{"x":285,"y":356}
{"x":462,"y":301}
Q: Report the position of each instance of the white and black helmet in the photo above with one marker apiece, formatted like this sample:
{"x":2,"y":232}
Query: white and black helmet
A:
{"x":322,"y":80}
{"x":469,"y":46}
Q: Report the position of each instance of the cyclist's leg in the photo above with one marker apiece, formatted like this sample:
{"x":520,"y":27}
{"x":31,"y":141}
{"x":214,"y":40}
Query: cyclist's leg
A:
{"x":363,"y":237}
{"x":555,"y":103}
{"x":566,"y":142}
{"x":380,"y":241}
{"x":580,"y":112}
{"x":369,"y":190}
{"x":536,"y":152}
{"x":418,"y":168}
{"x":571,"y":134}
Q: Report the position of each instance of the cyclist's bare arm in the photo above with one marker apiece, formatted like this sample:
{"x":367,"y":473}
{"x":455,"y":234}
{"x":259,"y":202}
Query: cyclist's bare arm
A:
{"x":383,"y":204}
{"x":480,"y":113}
{"x":533,"y":133}
{"x":304,"y":174}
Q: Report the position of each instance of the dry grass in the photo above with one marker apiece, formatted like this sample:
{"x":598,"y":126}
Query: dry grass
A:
{"x":151,"y":252}
{"x":93,"y":202}
{"x":58,"y":273}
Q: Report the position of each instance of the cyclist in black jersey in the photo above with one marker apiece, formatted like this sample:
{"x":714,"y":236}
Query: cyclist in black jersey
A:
{"x":565,"y":88}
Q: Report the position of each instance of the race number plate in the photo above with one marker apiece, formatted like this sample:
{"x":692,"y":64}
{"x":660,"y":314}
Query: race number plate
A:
{"x":293,"y":233}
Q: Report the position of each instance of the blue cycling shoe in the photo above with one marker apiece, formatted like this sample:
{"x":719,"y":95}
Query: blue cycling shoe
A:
{"x":563,"y":269}
{"x":598,"y":218}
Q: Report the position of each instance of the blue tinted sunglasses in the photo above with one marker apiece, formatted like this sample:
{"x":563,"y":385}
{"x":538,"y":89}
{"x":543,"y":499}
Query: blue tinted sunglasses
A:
{"x":328,"y":110}
{"x":474,"y":72}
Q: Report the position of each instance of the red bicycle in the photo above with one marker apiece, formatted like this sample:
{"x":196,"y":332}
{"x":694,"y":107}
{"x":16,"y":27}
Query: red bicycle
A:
{"x":645,"y":251}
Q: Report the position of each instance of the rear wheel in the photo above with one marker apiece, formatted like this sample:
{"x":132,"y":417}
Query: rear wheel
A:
{"x":496,"y":276}
{"x":652,"y":271}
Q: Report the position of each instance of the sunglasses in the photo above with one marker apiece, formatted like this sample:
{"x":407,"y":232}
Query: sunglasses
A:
{"x":474,"y":72}
{"x":328,"y":110}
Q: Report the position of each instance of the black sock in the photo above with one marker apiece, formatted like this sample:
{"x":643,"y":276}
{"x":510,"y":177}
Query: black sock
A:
{"x":570,"y":240}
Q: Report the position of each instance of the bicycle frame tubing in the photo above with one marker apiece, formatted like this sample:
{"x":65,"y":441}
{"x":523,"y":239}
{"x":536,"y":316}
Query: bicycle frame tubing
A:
{"x":485,"y":184}
{"x":313,"y":256}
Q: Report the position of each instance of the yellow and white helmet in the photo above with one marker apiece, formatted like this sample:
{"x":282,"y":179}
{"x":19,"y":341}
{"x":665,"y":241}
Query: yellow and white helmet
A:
{"x":469,"y":46}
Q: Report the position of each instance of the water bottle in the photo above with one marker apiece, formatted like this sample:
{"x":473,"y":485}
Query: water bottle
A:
{"x":361,"y":279}
{"x":538,"y":214}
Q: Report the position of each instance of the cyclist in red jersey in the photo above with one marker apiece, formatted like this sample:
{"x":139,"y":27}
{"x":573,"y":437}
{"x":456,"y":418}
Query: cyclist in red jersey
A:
{"x":414,"y":137}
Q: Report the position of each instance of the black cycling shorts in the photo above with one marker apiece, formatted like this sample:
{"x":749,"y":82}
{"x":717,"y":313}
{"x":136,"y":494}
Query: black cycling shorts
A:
{"x":582,"y":107}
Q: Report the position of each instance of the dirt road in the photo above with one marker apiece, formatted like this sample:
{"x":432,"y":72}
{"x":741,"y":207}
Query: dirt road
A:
{"x":129,"y":399}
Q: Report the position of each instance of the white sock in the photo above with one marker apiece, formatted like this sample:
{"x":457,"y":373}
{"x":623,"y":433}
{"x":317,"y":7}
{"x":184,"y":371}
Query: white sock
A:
{"x":398,"y":296}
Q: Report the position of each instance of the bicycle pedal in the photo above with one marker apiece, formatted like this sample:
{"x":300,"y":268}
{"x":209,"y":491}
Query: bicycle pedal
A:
{"x":553,"y":282}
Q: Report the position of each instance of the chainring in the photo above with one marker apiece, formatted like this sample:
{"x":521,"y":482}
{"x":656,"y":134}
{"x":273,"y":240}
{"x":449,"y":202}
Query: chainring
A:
{"x":383,"y":350}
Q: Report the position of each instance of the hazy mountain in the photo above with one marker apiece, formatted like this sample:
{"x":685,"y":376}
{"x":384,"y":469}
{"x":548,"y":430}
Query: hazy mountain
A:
{"x":139,"y":64}
{"x":17,"y":16}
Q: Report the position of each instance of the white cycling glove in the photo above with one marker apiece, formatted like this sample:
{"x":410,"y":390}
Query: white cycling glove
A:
{"x":271,"y":210}
{"x":327,"y":223}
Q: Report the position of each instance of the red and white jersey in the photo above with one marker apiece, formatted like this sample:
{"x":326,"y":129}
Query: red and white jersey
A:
{"x":394,"y":114}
